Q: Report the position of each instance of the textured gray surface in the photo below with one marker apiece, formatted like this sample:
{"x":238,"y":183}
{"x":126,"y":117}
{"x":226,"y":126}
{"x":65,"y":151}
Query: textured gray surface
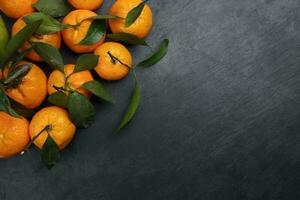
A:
{"x":219,"y":117}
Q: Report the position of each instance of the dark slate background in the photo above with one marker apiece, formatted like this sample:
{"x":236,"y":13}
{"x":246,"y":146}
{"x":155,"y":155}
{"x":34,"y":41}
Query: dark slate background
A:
{"x":219,"y":117}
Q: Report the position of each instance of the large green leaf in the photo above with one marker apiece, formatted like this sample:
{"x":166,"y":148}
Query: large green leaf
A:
{"x":134,"y":14}
{"x":97,"y":89}
{"x":96,"y":31}
{"x":49,"y":25}
{"x":59,"y":99}
{"x":127,"y":38}
{"x":86,"y":62}
{"x":82,"y":112}
{"x":157,"y":56}
{"x":50,"y":153}
{"x":4,"y":37}
{"x":50,"y":54}
{"x":55,"y":8}
{"x":18,"y":40}
{"x":133,"y":105}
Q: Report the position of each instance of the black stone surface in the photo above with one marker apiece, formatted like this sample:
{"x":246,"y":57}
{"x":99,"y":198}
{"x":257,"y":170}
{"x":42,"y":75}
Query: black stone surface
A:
{"x":219,"y":118}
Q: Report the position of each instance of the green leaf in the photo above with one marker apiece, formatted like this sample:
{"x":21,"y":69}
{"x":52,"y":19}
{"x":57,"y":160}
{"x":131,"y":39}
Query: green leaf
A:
{"x":157,"y":56}
{"x":5,"y":105}
{"x":132,"y":107}
{"x":86,"y":62}
{"x":59,"y":99}
{"x":18,"y":40}
{"x":97,"y":89}
{"x":54,"y":8}
{"x":49,"y":25}
{"x":50,"y":153}
{"x":127,"y":38}
{"x":50,"y":54}
{"x":15,"y":77}
{"x":4,"y":38}
{"x":82,"y":112}
{"x":134,"y":14}
{"x":95,"y":32}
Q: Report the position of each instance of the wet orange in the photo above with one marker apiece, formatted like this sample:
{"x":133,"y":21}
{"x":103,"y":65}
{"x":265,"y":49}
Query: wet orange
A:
{"x":86,"y":4}
{"x":141,"y":27}
{"x":53,"y":39}
{"x":74,"y":35}
{"x":109,"y":68}
{"x":17,"y":8}
{"x":14,"y":135}
{"x":32,"y":90}
{"x":72,"y":82}
{"x":61,"y":129}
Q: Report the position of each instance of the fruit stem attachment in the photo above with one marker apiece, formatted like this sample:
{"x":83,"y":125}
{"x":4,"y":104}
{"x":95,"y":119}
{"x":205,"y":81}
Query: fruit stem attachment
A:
{"x":114,"y":60}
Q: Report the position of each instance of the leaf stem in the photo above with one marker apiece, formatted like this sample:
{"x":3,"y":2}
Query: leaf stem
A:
{"x":60,"y":89}
{"x":114,"y":60}
{"x":68,"y":26}
{"x":47,"y":128}
{"x":91,"y":18}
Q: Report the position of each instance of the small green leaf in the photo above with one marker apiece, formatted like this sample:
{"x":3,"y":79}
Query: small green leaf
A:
{"x":4,"y":38}
{"x":50,"y":153}
{"x":132,"y":107}
{"x":134,"y":14}
{"x":15,"y":77}
{"x":127,"y":38}
{"x":95,"y":32}
{"x":97,"y":89}
{"x":5,"y":105}
{"x":82,"y":112}
{"x":50,"y":54}
{"x":86,"y":62}
{"x":49,"y":25}
{"x":18,"y":40}
{"x":157,"y":56}
{"x":54,"y":8}
{"x":59,"y":99}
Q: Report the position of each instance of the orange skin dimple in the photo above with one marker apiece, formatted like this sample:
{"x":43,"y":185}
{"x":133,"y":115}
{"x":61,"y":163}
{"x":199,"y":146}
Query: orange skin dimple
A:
{"x":62,"y":129}
{"x":58,"y":79}
{"x":14,"y":135}
{"x":73,"y":36}
{"x":141,"y":27}
{"x":33,"y":89}
{"x":17,"y":8}
{"x":86,"y":4}
{"x":108,"y":70}
{"x":53,"y":39}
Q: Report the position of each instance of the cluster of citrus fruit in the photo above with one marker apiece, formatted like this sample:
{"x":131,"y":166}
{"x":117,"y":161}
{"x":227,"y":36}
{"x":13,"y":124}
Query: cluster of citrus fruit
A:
{"x":37,"y":34}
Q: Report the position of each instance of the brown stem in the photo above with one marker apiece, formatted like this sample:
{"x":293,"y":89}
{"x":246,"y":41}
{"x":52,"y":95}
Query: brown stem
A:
{"x":47,"y":128}
{"x":114,"y":60}
{"x":60,"y":89}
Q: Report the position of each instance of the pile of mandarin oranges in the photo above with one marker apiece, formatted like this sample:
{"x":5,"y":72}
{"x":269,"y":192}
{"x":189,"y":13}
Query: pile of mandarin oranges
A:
{"x":59,"y":101}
